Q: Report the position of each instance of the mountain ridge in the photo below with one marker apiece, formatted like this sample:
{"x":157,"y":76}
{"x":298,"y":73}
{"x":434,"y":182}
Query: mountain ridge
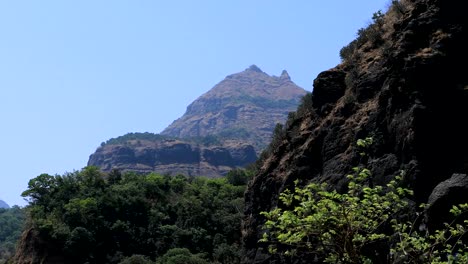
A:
{"x":234,"y":120}
{"x":251,"y":100}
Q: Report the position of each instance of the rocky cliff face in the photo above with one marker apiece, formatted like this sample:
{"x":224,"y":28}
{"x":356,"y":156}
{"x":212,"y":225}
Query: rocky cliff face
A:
{"x":245,"y":106}
{"x":239,"y":114}
{"x":403,"y":84}
{"x":173,"y":156}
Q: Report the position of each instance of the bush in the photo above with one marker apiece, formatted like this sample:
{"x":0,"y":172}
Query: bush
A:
{"x":136,"y":259}
{"x":359,"y":226}
{"x":181,"y":256}
{"x":372,"y":33}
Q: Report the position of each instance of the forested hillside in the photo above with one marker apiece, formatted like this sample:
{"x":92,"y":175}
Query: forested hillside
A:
{"x":11,"y":225}
{"x":89,"y":216}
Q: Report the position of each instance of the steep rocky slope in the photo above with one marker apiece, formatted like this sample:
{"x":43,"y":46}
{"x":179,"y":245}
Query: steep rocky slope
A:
{"x":233,"y":121}
{"x":403,"y":82}
{"x":173,"y":156}
{"x":244,"y":106}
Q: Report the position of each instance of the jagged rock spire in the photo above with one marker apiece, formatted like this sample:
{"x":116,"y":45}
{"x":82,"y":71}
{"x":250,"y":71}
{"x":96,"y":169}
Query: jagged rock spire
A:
{"x":285,"y":76}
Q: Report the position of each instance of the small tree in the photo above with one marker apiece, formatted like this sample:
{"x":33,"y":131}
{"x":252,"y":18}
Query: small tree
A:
{"x":333,"y":225}
{"x":341,"y":228}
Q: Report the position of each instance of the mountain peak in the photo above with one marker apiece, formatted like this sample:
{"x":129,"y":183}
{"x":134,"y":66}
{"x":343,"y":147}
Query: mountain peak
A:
{"x":285,"y":76}
{"x":231,"y":105}
{"x":254,"y":68}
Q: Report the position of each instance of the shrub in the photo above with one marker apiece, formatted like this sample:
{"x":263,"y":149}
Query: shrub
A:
{"x":136,"y":259}
{"x":372,"y":33}
{"x":181,"y":256}
{"x":359,"y":226}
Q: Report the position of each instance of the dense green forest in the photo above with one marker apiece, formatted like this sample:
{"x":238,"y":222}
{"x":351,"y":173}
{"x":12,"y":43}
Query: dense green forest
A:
{"x":11,"y":225}
{"x":89,"y":216}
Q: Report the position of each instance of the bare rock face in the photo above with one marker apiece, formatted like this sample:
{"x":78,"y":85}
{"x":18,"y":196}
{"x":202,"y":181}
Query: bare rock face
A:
{"x":245,"y":106}
{"x":239,"y":114}
{"x":406,"y":87}
{"x":447,"y":193}
{"x":173,"y":156}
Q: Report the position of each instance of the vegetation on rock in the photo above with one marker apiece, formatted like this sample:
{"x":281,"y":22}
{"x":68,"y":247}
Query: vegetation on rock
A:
{"x":364,"y":225}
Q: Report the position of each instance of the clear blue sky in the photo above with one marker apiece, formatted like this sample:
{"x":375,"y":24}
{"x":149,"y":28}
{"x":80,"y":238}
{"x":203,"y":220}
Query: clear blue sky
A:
{"x":76,"y":73}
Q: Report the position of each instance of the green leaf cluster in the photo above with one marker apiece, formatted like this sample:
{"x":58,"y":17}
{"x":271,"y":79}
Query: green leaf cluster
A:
{"x":11,"y":224}
{"x":335,"y":226}
{"x":362,"y":225}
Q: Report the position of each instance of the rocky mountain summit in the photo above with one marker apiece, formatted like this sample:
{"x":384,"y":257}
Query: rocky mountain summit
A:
{"x":3,"y":204}
{"x":223,"y":129}
{"x":403,"y":83}
{"x":245,"y":106}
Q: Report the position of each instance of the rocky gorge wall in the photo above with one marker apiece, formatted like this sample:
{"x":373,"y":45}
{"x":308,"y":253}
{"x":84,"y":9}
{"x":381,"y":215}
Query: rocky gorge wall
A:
{"x":405,"y":85}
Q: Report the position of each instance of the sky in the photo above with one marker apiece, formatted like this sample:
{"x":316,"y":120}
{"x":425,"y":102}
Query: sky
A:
{"x":76,"y":73}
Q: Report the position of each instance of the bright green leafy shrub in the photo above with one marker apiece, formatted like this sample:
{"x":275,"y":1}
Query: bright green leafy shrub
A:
{"x":351,"y":227}
{"x":336,"y":226}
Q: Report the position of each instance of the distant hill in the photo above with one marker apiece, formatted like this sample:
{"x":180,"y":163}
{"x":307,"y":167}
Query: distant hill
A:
{"x":225,"y":128}
{"x":3,"y":204}
{"x":245,"y":106}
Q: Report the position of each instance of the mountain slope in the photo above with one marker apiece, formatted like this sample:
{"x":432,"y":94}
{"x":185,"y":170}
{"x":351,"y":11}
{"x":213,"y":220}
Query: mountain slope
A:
{"x":402,"y":84}
{"x":223,"y":129}
{"x":3,"y":204}
{"x":244,"y":106}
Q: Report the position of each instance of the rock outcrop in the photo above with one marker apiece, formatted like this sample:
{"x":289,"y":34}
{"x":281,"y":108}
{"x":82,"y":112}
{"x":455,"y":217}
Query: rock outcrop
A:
{"x":245,"y":106}
{"x":403,"y":84}
{"x":173,"y":156}
{"x":238,"y":115}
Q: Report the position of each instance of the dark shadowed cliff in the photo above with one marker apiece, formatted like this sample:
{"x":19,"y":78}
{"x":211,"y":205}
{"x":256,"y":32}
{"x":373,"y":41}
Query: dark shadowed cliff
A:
{"x":403,"y":82}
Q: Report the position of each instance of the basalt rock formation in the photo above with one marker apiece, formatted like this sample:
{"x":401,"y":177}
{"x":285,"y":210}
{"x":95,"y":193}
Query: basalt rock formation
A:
{"x":245,"y":106}
{"x":402,"y":82}
{"x":173,"y":156}
{"x":237,"y":117}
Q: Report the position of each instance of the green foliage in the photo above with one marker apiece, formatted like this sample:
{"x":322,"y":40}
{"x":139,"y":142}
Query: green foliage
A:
{"x":181,"y":256}
{"x":108,"y":218}
{"x":445,"y":245}
{"x":136,"y":259}
{"x":351,"y":227}
{"x":372,"y":33}
{"x":336,"y":226}
{"x":305,"y":106}
{"x":11,"y":225}
{"x":239,"y":177}
{"x":135,"y":136}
